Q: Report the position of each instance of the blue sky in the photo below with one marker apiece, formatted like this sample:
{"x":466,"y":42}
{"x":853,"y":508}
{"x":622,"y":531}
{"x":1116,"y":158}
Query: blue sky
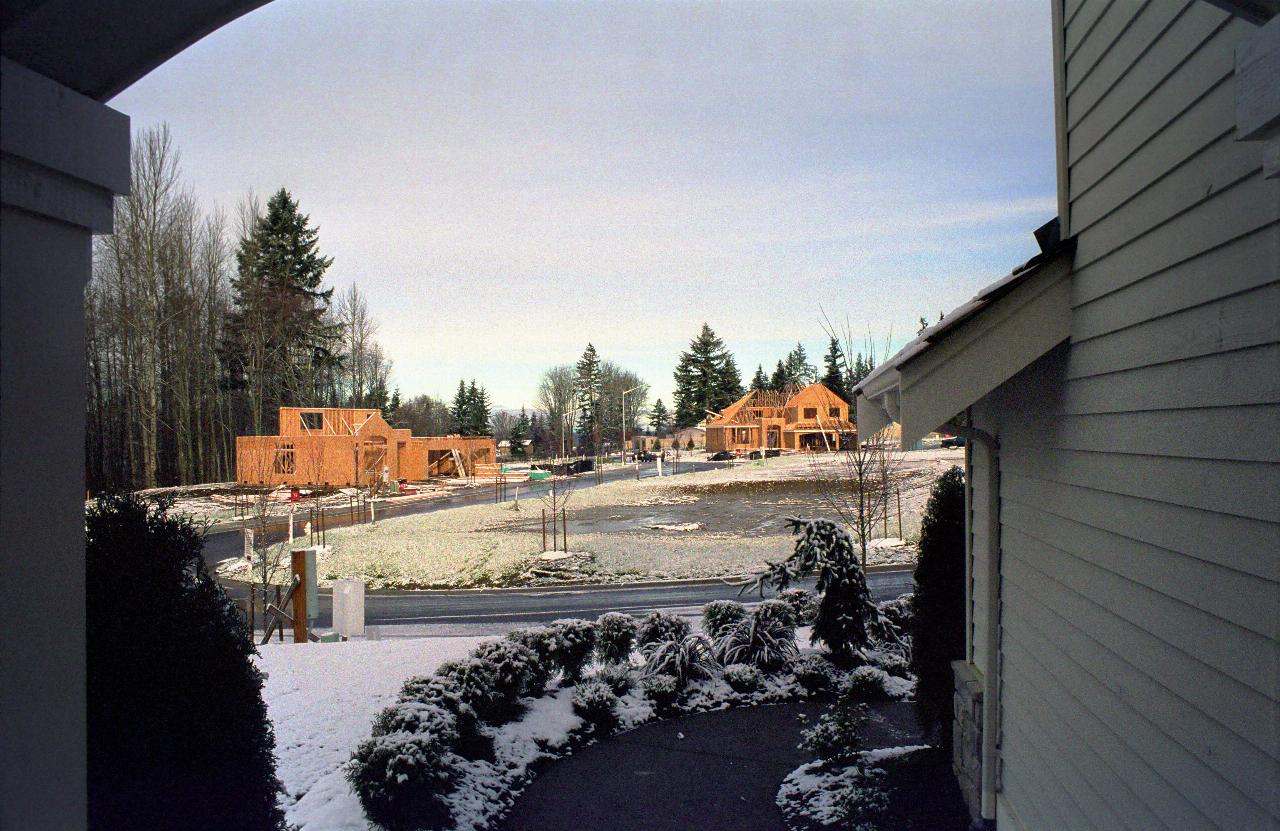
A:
{"x":509,"y":181}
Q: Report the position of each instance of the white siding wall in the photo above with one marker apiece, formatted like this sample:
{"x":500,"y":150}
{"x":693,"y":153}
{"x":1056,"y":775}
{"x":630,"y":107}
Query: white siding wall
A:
{"x":1141,"y":503}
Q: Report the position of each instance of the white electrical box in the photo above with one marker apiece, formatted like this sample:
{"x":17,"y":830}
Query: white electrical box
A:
{"x":348,"y":608}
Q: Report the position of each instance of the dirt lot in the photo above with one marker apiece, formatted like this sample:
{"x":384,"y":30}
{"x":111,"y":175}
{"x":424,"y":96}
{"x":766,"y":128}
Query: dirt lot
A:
{"x":717,"y":523}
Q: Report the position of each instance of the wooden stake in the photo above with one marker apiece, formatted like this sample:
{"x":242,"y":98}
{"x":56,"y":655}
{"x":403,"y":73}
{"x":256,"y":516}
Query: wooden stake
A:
{"x":899,"y":491}
{"x":544,"y":530}
{"x":281,"y":630}
{"x":564,"y":530}
{"x":253,"y":601}
{"x":299,"y":564}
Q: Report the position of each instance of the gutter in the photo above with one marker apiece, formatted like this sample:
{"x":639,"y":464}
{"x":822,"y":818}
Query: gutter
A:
{"x":991,"y":676}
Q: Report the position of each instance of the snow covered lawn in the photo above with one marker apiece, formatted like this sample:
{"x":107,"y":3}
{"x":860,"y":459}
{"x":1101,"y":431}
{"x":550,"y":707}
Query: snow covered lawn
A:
{"x":322,"y":698}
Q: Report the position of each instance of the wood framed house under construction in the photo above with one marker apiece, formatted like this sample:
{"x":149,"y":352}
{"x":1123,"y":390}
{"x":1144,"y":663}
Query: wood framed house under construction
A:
{"x":338,"y":446}
{"x":796,"y":418}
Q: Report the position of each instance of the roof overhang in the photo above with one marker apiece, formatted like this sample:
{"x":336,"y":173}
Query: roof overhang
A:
{"x":972,"y":350}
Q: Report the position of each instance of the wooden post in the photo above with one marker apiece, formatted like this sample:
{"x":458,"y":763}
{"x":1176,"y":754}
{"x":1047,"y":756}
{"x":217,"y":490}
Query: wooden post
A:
{"x":899,"y":491}
{"x":553,"y":523}
{"x":280,"y":631}
{"x":299,"y":567}
{"x":544,"y":529}
{"x":564,"y":530}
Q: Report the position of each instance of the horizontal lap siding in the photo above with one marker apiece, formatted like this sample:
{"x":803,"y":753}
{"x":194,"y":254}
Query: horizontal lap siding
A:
{"x":1141,"y":522}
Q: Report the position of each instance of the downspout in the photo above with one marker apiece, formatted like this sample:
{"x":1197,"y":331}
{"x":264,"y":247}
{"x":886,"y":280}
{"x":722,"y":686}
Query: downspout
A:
{"x":991,"y":676}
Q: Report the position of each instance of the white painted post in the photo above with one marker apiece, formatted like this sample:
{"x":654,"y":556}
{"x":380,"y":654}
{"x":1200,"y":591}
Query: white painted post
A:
{"x":291,"y":523}
{"x":659,"y":466}
{"x":348,"y":608}
{"x":371,"y":518}
{"x":248,"y":543}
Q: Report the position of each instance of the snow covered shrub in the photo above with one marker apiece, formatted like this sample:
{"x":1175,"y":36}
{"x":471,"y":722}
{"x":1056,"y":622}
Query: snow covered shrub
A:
{"x":803,"y":603}
{"x":719,"y":615}
{"x":937,"y":629}
{"x":865,"y":684}
{"x":402,"y":779}
{"x":813,"y":672}
{"x":444,"y":693}
{"x":616,"y":677}
{"x":417,"y":717}
{"x":837,"y":735}
{"x":661,"y":626}
{"x":475,"y":683}
{"x":153,"y":757}
{"x":892,"y":663}
{"x":662,"y":690}
{"x":685,"y":660}
{"x":847,"y":618}
{"x":516,"y":668}
{"x":743,"y":678}
{"x":572,"y":644}
{"x":615,"y":636}
{"x":766,"y":638}
{"x":596,"y":703}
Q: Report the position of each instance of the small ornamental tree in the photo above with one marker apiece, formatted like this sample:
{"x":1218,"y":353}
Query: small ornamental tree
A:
{"x":163,"y":641}
{"x":937,"y":628}
{"x":848,"y":619}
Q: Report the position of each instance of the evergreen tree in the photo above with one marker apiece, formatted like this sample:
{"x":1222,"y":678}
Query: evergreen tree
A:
{"x":459,"y":410}
{"x":937,"y":627}
{"x":477,"y":411}
{"x":587,"y":388}
{"x":279,"y":338}
{"x":778,"y":381}
{"x":759,"y":381}
{"x":707,"y":378}
{"x":833,"y":378}
{"x":799,"y":370}
{"x":177,"y":731}
{"x":519,"y":433}
{"x":659,"y":419}
{"x":389,"y":411}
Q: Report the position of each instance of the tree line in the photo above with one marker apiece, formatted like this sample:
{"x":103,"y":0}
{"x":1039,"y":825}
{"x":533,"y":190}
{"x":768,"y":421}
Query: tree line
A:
{"x":199,"y":326}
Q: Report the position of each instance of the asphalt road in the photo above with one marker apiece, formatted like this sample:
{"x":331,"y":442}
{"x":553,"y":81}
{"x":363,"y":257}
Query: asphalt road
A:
{"x":225,"y":542}
{"x":493,"y":611}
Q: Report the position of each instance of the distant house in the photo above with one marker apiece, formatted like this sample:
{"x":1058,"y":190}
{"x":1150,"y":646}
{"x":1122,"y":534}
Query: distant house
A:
{"x":1120,"y":395}
{"x":695,"y":436}
{"x":344,"y":447}
{"x":808,"y":418}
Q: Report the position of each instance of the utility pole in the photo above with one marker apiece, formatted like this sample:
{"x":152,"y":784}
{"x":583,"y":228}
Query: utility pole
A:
{"x":624,"y":422}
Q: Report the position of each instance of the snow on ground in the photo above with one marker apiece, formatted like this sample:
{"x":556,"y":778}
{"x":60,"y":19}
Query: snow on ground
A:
{"x":496,"y":545}
{"x":822,"y":793}
{"x":321,"y":699}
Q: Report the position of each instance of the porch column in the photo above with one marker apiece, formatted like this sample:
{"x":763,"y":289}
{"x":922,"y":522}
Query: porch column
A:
{"x":63,"y":157}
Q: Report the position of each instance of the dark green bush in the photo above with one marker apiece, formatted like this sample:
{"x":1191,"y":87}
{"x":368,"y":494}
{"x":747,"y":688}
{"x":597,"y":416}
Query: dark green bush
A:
{"x":595,"y":703}
{"x":662,"y":626}
{"x":743,"y":678}
{"x":662,"y":690}
{"x":803,"y":603}
{"x":937,"y":628}
{"x":417,"y":717}
{"x":573,"y":641}
{"x":516,"y":668}
{"x":837,"y":735}
{"x":719,"y":615}
{"x":177,"y":732}
{"x":864,"y":684}
{"x":615,"y":637}
{"x":813,"y":672}
{"x":401,"y":780}
{"x":617,"y":677}
{"x":475,"y":683}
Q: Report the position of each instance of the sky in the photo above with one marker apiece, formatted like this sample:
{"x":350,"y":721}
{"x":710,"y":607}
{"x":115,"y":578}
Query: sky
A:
{"x":508,"y":182}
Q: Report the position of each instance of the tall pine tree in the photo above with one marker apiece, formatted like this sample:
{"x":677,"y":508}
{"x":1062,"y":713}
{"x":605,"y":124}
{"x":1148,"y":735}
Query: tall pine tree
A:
{"x":587,"y":388}
{"x":458,"y":410}
{"x":759,"y":381}
{"x":478,"y":410}
{"x":833,"y":377}
{"x":779,"y":379}
{"x":519,"y":433}
{"x":659,"y":419}
{"x":706,"y":378}
{"x":799,"y":370}
{"x":279,"y":341}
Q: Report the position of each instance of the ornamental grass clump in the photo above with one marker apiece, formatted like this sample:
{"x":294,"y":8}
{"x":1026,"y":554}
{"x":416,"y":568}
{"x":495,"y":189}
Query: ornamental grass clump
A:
{"x":402,"y":780}
{"x":661,"y":626}
{"x":719,"y":615}
{"x":766,"y":638}
{"x":814,"y":673}
{"x":743,"y":678}
{"x":596,"y":703}
{"x":615,"y":637}
{"x":573,"y":641}
{"x":685,"y":660}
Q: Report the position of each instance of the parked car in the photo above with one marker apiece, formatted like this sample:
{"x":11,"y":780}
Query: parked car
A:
{"x":722,"y":456}
{"x":645,"y":456}
{"x":769,"y":453}
{"x":953,"y":441}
